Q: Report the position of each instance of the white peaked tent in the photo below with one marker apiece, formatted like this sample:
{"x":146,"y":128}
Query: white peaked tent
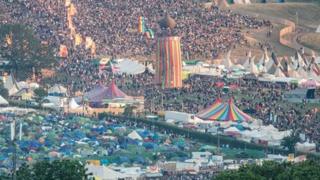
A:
{"x":294,"y":64}
{"x":222,"y":3}
{"x":135,"y":136}
{"x":300,"y":60}
{"x":294,"y":74}
{"x":265,"y":63}
{"x":238,"y":1}
{"x":227,"y":61}
{"x":150,"y":69}
{"x":246,"y":64}
{"x":10,"y":84}
{"x":253,"y":69}
{"x":278,"y":72}
{"x":73,"y":104}
{"x":302,"y":73}
{"x":3,"y":102}
{"x":249,"y":54}
{"x":318,"y":29}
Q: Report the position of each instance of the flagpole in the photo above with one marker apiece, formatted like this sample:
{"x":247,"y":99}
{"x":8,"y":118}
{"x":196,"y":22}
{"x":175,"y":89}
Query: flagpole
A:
{"x":14,"y":154}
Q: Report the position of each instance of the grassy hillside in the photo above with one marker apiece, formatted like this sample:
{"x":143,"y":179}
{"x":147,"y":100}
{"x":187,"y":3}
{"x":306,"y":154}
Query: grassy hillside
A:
{"x":308,"y":13}
{"x":311,"y":40}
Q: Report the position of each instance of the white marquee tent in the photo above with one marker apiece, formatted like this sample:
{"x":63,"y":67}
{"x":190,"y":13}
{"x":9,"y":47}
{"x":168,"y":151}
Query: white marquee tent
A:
{"x":318,"y":29}
{"x":227,"y":61}
{"x":3,"y":102}
{"x":130,"y":67}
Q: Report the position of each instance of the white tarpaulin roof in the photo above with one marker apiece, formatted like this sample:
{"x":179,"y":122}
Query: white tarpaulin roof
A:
{"x":104,"y":173}
{"x":56,"y":101}
{"x":3,"y":101}
{"x":130,"y":67}
{"x":57,"y":89}
{"x":305,"y":147}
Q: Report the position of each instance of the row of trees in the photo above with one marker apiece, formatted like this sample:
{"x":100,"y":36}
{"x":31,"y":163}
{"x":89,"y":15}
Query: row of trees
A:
{"x":273,"y":170}
{"x":23,"y":50}
{"x":59,"y":169}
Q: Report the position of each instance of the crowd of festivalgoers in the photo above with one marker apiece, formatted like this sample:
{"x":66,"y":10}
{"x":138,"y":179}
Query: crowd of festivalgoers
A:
{"x":112,"y":24}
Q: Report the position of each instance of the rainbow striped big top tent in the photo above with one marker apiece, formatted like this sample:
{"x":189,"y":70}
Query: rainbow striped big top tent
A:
{"x":220,"y":111}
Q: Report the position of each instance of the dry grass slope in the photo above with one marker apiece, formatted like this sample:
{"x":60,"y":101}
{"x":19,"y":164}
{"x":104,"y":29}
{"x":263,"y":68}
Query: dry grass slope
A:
{"x":311,"y":40}
{"x":308,"y":13}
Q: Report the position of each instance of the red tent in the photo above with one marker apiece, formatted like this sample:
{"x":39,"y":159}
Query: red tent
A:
{"x":102,"y":93}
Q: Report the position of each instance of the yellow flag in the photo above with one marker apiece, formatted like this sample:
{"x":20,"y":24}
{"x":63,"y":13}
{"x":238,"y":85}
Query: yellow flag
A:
{"x":89,"y":42}
{"x":67,"y":3}
{"x":9,"y":39}
{"x":93,"y":49}
{"x":77,"y":39}
{"x":72,"y":10}
{"x":185,"y":75}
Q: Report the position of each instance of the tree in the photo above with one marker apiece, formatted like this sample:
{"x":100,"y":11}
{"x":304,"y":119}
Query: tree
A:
{"x":274,"y":170}
{"x":23,"y":50}
{"x":3,"y":91}
{"x":40,"y":93}
{"x":128,"y":111}
{"x":59,"y":169}
{"x":289,"y":142}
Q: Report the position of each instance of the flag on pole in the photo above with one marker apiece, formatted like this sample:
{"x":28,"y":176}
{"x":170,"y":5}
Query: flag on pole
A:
{"x":63,"y":52}
{"x":12,"y":130}
{"x":114,"y":69}
{"x":20,"y":131}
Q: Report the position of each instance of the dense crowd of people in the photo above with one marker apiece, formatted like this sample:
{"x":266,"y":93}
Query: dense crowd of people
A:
{"x":113,"y":24}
